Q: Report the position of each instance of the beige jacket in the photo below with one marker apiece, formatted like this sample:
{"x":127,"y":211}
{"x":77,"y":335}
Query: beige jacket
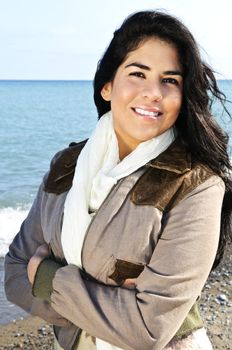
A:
{"x":160,"y":224}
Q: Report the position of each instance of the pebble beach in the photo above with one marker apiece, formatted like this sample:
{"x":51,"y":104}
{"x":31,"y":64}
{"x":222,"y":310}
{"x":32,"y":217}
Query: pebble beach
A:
{"x":32,"y":333}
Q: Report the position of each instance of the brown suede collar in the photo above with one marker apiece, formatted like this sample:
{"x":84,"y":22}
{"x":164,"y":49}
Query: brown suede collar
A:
{"x":174,"y":159}
{"x":168,"y":178}
{"x":59,"y":178}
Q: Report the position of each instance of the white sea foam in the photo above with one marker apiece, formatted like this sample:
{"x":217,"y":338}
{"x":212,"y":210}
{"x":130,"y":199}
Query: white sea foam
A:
{"x":10,"y":221}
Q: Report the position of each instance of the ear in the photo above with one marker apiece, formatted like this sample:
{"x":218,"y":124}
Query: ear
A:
{"x":106,"y":91}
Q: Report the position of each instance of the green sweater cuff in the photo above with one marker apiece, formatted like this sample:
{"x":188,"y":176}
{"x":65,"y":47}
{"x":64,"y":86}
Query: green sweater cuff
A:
{"x":42,"y":286}
{"x":192,"y":322}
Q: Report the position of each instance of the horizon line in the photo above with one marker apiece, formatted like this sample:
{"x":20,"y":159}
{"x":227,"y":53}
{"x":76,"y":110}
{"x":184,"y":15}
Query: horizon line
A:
{"x":42,"y":79}
{"x":46,"y":79}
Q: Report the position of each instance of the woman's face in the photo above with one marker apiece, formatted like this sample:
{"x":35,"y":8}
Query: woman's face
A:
{"x":145,"y":94}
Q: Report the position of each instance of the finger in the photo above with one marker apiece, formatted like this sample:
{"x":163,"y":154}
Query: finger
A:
{"x":129,"y":283}
{"x":32,"y":268}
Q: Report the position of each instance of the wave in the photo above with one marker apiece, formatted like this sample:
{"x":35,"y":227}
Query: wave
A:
{"x":10,"y":222}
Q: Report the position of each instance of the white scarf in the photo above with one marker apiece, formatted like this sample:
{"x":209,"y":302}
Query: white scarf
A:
{"x":98,"y":169}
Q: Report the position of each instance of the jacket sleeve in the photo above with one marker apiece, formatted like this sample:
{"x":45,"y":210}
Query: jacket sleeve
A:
{"x":149,"y":316}
{"x":17,"y":286}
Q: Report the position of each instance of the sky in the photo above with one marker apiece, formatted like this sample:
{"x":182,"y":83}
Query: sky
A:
{"x":64,"y":39}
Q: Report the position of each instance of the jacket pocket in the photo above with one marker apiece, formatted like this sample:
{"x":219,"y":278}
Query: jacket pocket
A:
{"x":125,"y":269}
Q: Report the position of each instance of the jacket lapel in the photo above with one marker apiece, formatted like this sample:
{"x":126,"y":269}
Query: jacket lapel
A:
{"x":170,"y":177}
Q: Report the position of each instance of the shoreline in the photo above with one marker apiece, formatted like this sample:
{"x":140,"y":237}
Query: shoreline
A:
{"x":215,"y":304}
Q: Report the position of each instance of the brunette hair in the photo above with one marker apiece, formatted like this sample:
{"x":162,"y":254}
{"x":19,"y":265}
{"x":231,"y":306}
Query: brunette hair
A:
{"x":198,"y":130}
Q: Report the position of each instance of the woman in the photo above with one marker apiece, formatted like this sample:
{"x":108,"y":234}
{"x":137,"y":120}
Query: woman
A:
{"x":122,"y":248}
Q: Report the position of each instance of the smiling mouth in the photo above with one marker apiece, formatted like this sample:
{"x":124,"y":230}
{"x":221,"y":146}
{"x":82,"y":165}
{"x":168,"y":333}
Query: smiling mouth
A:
{"x":146,"y":113}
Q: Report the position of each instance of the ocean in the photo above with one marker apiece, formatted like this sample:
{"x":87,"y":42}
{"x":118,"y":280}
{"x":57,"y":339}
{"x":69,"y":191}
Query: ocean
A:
{"x":38,"y":118}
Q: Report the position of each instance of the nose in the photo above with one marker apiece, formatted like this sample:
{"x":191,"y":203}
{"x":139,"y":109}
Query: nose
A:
{"x":152,"y":91}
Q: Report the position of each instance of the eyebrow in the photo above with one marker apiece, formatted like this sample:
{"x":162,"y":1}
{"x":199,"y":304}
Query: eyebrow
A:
{"x":143,"y":66}
{"x":139,"y":65}
{"x":173,"y":72}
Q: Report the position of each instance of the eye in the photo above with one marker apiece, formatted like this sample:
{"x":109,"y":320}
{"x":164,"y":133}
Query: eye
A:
{"x":137,"y":74}
{"x":170,"y":81}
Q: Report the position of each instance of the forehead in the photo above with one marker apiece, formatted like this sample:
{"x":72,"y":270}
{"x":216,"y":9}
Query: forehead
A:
{"x":153,"y":51}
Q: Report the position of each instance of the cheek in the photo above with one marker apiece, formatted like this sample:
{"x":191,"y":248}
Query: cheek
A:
{"x":176,"y":102}
{"x":123,"y":90}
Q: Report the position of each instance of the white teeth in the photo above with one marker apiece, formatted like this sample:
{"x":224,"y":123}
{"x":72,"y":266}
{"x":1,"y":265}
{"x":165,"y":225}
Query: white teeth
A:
{"x":148,"y":113}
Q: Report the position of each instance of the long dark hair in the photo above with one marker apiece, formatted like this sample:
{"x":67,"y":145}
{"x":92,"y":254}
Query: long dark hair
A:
{"x":197,"y":128}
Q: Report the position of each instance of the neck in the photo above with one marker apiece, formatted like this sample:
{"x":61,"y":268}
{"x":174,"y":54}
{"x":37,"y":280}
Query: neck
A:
{"x":124,"y":147}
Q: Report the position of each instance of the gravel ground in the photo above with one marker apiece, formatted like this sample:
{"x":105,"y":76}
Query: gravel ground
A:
{"x":216,"y":304}
{"x":216,"y":307}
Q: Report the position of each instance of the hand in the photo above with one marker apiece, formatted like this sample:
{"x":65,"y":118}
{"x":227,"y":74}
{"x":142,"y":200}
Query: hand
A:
{"x":129,"y":283}
{"x":41,"y":253}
